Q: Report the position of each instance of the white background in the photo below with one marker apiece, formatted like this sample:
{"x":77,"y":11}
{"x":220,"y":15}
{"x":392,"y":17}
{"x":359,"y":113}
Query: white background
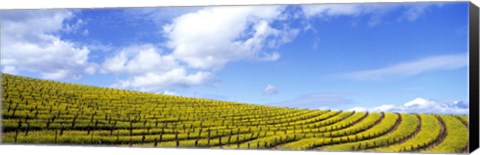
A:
{"x":82,"y":150}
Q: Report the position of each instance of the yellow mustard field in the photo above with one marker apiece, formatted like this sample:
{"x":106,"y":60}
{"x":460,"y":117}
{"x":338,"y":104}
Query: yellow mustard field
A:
{"x":47,"y":112}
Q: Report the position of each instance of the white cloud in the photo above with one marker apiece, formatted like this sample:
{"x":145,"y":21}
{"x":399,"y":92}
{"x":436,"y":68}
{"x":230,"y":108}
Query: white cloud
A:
{"x":138,"y":59}
{"x":59,"y":74}
{"x":411,"y":68}
{"x":166,"y":92}
{"x":230,"y":34}
{"x":327,"y":11}
{"x":376,"y":11}
{"x":421,"y":105}
{"x":324,"y":108}
{"x":29,"y":43}
{"x":331,"y":10}
{"x":417,"y":11}
{"x":385,"y":107}
{"x":85,"y":32}
{"x":101,"y":47}
{"x":154,"y":81}
{"x":357,"y":109}
{"x":316,"y":100}
{"x":270,"y":89}
{"x":9,"y":70}
{"x":159,"y":15}
{"x":75,"y":27}
{"x":274,"y":56}
{"x":149,"y":69}
{"x":224,"y":34}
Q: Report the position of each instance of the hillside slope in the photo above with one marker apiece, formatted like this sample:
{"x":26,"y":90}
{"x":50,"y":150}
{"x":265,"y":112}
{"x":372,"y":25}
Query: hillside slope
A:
{"x":46,"y":112}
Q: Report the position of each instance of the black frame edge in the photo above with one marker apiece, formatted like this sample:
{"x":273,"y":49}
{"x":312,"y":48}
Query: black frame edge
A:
{"x":474,"y":85}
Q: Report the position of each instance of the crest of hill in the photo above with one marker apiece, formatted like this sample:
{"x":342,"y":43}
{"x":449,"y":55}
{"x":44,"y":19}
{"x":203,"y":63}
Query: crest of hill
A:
{"x":65,"y":85}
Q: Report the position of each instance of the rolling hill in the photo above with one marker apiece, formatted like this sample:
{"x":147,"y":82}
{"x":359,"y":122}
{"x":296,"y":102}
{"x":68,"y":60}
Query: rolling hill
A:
{"x":38,"y":111}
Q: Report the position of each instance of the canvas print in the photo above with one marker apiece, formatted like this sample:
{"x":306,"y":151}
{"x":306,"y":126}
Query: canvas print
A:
{"x":373,"y":77}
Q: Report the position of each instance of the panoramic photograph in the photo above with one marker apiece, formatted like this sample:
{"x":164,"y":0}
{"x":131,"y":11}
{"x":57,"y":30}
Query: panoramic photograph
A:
{"x":367,"y":77}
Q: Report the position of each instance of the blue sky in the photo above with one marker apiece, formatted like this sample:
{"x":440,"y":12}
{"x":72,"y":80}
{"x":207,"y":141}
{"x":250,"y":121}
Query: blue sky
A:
{"x":407,"y":57}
